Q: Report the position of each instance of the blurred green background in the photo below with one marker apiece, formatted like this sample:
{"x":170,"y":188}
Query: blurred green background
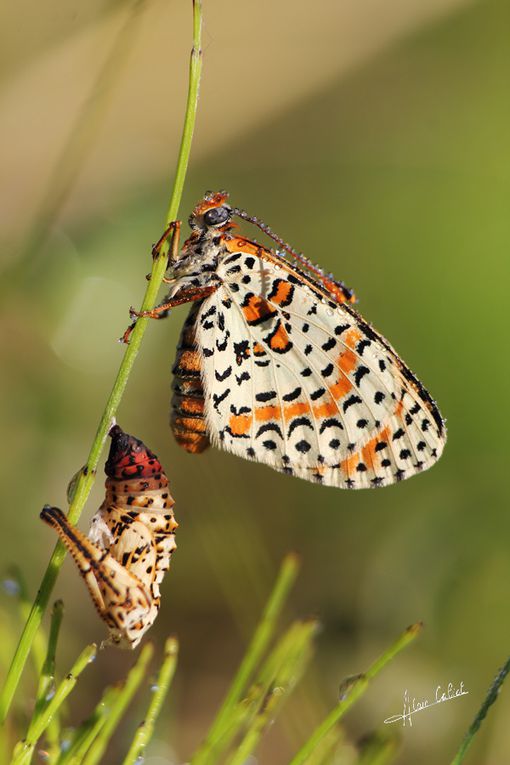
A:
{"x":372,"y":138}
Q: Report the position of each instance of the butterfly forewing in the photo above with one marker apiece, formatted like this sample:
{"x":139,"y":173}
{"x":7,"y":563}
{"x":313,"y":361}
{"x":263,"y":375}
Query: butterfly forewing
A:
{"x":303,"y":384}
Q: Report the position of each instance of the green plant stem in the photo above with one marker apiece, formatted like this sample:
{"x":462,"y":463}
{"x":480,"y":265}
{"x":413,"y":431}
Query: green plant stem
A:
{"x":119,"y":706}
{"x":351,"y":690}
{"x":491,"y":697}
{"x":263,"y":634}
{"x":284,"y":668}
{"x":39,"y":643}
{"x":87,"y":476}
{"x":248,"y":714}
{"x":47,"y":680}
{"x":24,"y":749}
{"x":146,"y":728}
{"x":87,"y":732}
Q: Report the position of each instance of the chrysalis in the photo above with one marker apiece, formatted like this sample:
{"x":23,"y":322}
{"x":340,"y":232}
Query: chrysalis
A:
{"x":130,"y":541}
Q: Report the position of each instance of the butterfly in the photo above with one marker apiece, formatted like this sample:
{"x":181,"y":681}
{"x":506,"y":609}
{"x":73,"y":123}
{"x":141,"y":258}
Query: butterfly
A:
{"x":131,"y":538}
{"x":275,"y":365}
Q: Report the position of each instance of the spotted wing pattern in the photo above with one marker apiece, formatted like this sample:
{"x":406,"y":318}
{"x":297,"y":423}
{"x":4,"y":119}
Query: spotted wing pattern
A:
{"x":299,"y":382}
{"x":131,"y":538}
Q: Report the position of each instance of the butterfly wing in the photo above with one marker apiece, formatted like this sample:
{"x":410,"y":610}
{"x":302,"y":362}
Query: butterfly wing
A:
{"x":305,"y":385}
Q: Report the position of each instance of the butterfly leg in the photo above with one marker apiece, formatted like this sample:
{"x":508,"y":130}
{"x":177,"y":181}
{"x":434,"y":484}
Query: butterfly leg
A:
{"x":173,"y":228}
{"x":184,"y":296}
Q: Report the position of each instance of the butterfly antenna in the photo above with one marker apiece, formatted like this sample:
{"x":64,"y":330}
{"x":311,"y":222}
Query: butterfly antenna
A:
{"x":340,"y":292}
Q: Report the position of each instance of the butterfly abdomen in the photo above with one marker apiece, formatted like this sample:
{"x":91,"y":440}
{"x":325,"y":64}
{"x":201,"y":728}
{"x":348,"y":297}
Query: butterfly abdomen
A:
{"x":187,"y":408}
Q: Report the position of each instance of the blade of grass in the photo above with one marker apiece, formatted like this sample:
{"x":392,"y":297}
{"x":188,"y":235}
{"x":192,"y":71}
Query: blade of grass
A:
{"x":489,"y":700}
{"x":119,"y":706}
{"x":146,"y":728}
{"x":87,"y":475}
{"x":351,"y":690}
{"x":326,"y":751}
{"x":20,"y":591}
{"x":46,"y":685}
{"x":261,"y":638}
{"x":292,"y":664}
{"x":87,"y":732}
{"x":243,"y":714}
{"x":25,"y":748}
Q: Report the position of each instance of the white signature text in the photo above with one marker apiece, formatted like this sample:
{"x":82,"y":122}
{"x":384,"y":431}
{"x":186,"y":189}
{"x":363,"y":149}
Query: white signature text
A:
{"x":413,"y":705}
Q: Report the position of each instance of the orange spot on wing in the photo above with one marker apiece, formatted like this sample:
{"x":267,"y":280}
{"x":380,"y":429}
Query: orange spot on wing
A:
{"x":239,"y":424}
{"x":368,"y":451}
{"x":399,"y":408}
{"x":264,"y":413}
{"x":326,"y":409}
{"x":352,"y":337}
{"x":258,"y":350}
{"x":257,"y":309}
{"x":279,"y":339}
{"x":340,"y":388}
{"x":346,"y":363}
{"x":349,"y":464}
{"x":295,"y":410}
{"x":282,"y":293}
{"x":366,"y":454}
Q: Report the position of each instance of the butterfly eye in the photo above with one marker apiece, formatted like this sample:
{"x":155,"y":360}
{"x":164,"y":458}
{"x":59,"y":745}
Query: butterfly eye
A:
{"x":217,"y":215}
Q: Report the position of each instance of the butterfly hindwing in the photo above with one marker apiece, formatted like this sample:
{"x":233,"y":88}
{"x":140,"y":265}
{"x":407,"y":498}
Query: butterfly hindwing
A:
{"x":303,"y":384}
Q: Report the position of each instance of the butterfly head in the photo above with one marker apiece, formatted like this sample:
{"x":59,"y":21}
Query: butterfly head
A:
{"x":212,"y":212}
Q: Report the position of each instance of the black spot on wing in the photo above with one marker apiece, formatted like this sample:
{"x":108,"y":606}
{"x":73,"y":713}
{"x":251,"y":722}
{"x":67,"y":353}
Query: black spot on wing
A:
{"x":217,"y":399}
{"x":293,"y":394}
{"x":329,"y":344}
{"x":331,"y":422}
{"x":220,"y":376}
{"x":297,"y":422}
{"x":354,"y":399}
{"x":268,"y":427}
{"x":265,"y":396}
{"x":360,"y":373}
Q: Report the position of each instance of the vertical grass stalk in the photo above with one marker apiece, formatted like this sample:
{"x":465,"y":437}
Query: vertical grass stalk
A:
{"x":87,"y":475}
{"x":263,"y":634}
{"x":146,"y":728}
{"x":119,"y":706}
{"x":24,"y":749}
{"x":489,"y":700}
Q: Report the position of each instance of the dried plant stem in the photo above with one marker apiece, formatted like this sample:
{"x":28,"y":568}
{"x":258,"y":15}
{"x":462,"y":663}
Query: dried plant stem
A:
{"x":87,"y":474}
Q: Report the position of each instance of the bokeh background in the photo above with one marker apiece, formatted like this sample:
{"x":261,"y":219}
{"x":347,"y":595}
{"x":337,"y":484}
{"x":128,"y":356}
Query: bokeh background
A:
{"x":373,"y":137}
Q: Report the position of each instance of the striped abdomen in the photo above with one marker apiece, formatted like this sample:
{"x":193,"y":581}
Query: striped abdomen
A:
{"x":187,"y":408}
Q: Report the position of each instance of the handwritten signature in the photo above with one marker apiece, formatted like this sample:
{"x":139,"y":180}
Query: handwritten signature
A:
{"x":412,"y":706}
